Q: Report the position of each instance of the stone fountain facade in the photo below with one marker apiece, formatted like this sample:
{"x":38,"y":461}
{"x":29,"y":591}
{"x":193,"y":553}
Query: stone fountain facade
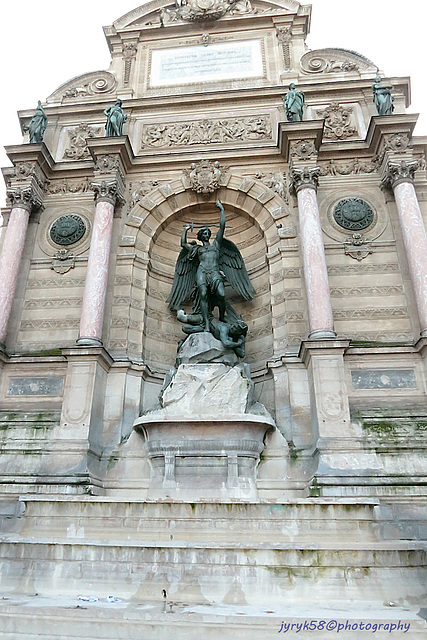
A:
{"x":302,"y":469}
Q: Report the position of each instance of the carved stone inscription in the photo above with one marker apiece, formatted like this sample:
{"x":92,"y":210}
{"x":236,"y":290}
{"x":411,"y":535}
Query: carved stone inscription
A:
{"x":384,"y":379}
{"x":216,"y":131}
{"x":223,"y":61}
{"x":35,"y":386}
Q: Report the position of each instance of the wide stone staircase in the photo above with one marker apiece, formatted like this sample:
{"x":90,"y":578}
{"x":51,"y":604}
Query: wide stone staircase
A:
{"x":198,"y":570}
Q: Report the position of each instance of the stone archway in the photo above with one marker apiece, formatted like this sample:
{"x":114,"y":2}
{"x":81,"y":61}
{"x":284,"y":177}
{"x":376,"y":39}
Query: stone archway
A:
{"x":154,"y":228}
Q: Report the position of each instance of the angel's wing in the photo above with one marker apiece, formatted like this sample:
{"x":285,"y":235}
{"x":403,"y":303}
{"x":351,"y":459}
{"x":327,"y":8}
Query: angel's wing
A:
{"x":231,"y":263}
{"x":185,"y":278}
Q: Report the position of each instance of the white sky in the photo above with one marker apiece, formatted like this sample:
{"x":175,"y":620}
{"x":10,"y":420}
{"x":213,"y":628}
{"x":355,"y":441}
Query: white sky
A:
{"x":47,"y":42}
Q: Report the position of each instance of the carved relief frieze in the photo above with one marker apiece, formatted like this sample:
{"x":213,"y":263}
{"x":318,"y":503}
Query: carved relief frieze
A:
{"x":353,"y":167}
{"x":77,"y":149}
{"x":62,"y":187}
{"x":37,"y":325}
{"x":208,"y":131}
{"x":338,"y":122}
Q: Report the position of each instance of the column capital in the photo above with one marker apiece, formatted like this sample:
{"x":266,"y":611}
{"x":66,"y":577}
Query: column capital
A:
{"x":108,"y":190}
{"x":397,"y":172}
{"x":304,"y":178}
{"x":25,"y":196}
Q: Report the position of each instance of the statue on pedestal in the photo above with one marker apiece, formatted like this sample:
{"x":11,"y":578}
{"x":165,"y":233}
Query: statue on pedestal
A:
{"x":382,"y":98}
{"x":38,"y":124}
{"x":116,"y":118}
{"x":199,"y":276}
{"x":294,"y":104}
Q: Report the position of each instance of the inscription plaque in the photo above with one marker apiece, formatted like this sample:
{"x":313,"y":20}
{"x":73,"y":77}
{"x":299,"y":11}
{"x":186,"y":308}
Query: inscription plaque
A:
{"x":36,"y":386}
{"x":384,"y":379}
{"x":226,"y":61}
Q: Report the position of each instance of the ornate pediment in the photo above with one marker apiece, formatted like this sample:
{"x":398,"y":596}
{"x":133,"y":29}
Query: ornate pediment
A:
{"x":89,"y":84}
{"x":164,"y":12}
{"x":335,"y":61}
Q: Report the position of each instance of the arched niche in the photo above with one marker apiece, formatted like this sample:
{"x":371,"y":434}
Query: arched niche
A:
{"x":154,"y":228}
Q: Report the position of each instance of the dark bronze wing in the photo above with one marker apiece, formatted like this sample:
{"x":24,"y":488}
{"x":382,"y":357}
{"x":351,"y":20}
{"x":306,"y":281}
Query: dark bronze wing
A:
{"x":185,"y":278}
{"x":231,"y":263}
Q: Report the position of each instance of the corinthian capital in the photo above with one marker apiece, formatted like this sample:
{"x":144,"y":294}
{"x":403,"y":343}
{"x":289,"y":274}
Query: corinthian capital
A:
{"x":108,"y":191}
{"x":305,"y":178}
{"x":397,"y":172}
{"x":25,"y":197}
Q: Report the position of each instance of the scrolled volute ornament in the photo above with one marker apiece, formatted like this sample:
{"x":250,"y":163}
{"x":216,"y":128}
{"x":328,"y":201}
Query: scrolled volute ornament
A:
{"x":24,"y":198}
{"x":304,"y":178}
{"x":398,"y":172}
{"x":108,"y":191}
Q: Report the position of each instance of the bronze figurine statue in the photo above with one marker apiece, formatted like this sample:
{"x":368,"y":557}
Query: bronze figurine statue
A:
{"x":199,"y":275}
{"x":382,"y":98}
{"x":294,"y":104}
{"x":37,"y":126}
{"x":116,"y":118}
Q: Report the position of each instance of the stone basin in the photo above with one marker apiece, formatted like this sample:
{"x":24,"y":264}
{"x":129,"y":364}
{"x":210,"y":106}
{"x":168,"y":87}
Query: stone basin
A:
{"x":206,"y":458}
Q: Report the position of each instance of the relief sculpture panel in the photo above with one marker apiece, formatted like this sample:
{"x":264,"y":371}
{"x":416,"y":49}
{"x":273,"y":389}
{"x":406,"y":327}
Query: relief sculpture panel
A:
{"x":215,"y":131}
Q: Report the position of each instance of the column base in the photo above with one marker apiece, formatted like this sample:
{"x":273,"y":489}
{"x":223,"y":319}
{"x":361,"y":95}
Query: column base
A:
{"x":89,"y":342}
{"x":322,"y":334}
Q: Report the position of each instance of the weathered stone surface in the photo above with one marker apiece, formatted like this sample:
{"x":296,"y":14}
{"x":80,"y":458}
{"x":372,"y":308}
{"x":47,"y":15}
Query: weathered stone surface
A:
{"x":203,"y":347}
{"x":201,"y":389}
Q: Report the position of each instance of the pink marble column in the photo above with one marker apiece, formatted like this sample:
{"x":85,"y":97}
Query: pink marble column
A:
{"x":95,"y":291}
{"x":10,"y":263}
{"x":400,"y":177}
{"x":320,"y":317}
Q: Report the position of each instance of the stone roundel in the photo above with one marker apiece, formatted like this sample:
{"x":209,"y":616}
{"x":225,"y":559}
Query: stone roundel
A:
{"x":67,"y":230}
{"x":353,"y":214}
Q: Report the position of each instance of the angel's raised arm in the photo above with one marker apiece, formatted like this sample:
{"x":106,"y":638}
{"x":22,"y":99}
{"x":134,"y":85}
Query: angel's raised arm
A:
{"x":184,"y":243}
{"x":220,"y":234}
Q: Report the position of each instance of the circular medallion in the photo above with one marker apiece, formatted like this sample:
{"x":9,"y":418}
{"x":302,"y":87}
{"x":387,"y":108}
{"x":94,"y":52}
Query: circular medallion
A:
{"x":353,"y":214}
{"x":67,"y":230}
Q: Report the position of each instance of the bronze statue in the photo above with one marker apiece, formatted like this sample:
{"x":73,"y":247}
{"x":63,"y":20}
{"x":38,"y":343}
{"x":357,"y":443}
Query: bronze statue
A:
{"x":38,"y":124}
{"x":294,"y":104}
{"x":199,"y":276}
{"x":382,"y":98}
{"x":116,"y":118}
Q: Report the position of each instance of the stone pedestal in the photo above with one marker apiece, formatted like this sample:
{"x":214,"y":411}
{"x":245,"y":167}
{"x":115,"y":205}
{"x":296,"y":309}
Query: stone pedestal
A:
{"x":205,"y":439}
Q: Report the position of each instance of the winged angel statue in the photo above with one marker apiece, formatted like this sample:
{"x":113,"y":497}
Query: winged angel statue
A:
{"x":199,"y":275}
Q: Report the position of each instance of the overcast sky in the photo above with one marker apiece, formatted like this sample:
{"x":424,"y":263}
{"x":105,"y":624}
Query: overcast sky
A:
{"x":48,"y":42}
